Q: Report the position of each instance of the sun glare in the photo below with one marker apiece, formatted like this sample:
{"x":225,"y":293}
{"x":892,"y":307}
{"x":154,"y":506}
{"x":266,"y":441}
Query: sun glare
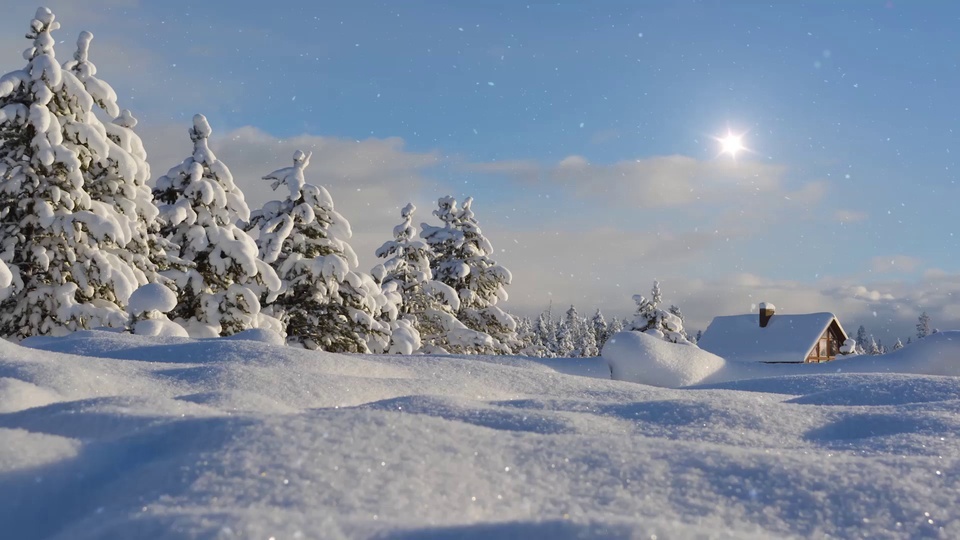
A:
{"x":731,"y":144}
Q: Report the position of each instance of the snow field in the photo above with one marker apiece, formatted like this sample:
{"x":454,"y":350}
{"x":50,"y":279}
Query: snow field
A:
{"x":109,"y":435}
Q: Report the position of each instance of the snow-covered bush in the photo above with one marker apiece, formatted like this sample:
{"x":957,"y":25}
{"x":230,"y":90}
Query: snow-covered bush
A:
{"x":148,"y":310}
{"x":324,"y":302}
{"x":849,"y":347}
{"x":199,"y":205}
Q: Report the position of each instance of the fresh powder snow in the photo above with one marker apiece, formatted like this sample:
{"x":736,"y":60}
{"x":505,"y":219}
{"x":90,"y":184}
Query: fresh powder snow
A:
{"x":112,"y":435}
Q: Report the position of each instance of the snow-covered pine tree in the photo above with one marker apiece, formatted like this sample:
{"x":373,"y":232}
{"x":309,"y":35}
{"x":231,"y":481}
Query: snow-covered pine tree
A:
{"x":898,"y":345}
{"x":528,"y":340}
{"x":199,"y":206}
{"x":462,"y":261}
{"x":542,"y":332}
{"x":568,"y":338}
{"x":653,"y":320}
{"x":923,"y":325}
{"x":674,"y":309}
{"x":588,"y":342}
{"x":430,"y":305}
{"x":600,"y":329}
{"x":60,"y":243}
{"x":872,"y":347}
{"x":861,"y":339}
{"x":325,"y":302}
{"x":120,"y":180}
{"x":616,"y":325}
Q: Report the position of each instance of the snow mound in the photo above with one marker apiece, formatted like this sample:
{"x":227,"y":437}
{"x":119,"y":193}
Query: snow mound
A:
{"x":22,"y":449}
{"x":261,"y":335}
{"x":162,"y":437}
{"x":151,"y":297}
{"x":159,"y":328}
{"x":16,"y":395}
{"x":641,"y":358}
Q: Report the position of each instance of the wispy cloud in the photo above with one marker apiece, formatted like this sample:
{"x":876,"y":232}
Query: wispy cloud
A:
{"x":894,"y":263}
{"x":655,"y":182}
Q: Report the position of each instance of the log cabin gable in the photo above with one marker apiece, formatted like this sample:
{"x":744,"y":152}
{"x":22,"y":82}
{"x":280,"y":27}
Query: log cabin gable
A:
{"x":827,"y":347}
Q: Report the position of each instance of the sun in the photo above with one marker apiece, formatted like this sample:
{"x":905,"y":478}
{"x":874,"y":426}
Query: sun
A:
{"x":731,"y":144}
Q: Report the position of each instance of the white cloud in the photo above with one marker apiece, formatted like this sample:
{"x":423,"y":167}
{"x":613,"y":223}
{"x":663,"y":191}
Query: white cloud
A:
{"x":894,"y":263}
{"x":656,"y":182}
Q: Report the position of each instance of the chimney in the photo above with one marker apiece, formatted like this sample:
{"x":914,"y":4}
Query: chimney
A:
{"x":766,"y":313}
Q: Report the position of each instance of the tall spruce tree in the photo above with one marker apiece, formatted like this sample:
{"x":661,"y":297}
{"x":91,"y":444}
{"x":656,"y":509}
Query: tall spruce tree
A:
{"x":199,"y":206}
{"x":60,"y":243}
{"x":325,"y":302}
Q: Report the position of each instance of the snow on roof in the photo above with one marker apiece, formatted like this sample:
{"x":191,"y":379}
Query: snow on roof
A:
{"x":786,"y":338}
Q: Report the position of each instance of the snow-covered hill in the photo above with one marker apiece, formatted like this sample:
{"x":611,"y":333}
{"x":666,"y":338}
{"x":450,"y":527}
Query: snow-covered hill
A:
{"x":106,"y":435}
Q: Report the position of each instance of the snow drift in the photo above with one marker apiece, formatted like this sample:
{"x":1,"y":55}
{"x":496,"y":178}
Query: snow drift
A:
{"x":108,"y":435}
{"x":644,"y":359}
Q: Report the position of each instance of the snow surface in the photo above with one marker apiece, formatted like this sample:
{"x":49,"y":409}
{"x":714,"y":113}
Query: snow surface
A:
{"x":110,"y":435}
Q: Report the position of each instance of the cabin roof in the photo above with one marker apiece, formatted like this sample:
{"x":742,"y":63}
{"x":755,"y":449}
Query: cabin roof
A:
{"x":786,"y":338}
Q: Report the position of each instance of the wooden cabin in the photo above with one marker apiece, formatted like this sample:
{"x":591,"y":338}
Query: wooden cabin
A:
{"x":772,"y":338}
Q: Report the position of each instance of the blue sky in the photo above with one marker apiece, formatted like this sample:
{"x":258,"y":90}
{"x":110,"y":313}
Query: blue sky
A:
{"x":584,"y":130}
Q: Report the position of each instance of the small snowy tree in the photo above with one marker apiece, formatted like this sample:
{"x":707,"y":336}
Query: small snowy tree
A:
{"x":61,"y":244}
{"x":199,"y":206}
{"x":462,"y":261}
{"x":653,"y":320}
{"x":898,"y":345}
{"x":325,"y":303}
{"x":872,"y":347}
{"x":923,"y":325}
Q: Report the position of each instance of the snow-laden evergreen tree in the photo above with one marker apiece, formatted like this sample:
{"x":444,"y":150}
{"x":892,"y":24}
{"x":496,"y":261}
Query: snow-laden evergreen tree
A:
{"x":600,"y":328}
{"x":923,"y":325}
{"x":199,"y":207}
{"x":861,"y":340}
{"x":616,"y":325}
{"x":61,"y":244}
{"x":462,"y":261}
{"x":675,"y":310}
{"x":588,"y":344}
{"x":326,"y":302}
{"x":653,"y":320}
{"x":120,"y":181}
{"x":898,"y":345}
{"x":527,"y":337}
{"x":568,"y":335}
{"x":872,"y":347}
{"x":429,"y":304}
{"x":544,"y":344}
